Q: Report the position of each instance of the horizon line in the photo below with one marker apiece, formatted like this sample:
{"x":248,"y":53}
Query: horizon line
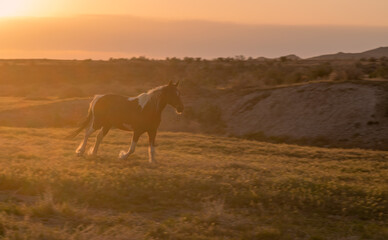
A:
{"x":164,"y":19}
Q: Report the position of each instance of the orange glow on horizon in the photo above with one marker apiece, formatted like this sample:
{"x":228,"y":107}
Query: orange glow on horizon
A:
{"x":177,"y":28}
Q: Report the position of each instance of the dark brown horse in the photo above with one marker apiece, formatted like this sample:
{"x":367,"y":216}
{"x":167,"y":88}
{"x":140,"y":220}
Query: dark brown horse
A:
{"x":140,"y":114}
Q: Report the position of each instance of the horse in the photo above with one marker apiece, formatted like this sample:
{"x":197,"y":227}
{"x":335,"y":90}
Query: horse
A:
{"x":139,"y":114}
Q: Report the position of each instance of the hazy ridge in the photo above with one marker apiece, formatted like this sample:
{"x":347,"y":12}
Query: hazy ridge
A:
{"x":374,"y":53}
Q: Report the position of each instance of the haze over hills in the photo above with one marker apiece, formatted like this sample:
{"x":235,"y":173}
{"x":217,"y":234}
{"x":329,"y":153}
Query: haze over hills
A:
{"x":374,"y":53}
{"x":105,"y":37}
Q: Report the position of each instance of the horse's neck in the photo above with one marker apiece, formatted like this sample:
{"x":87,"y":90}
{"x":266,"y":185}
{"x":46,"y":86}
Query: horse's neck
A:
{"x":158,"y":102}
{"x":161,"y":104}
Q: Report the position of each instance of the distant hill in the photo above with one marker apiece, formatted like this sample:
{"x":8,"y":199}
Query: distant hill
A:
{"x":291,"y":57}
{"x":376,"y":53}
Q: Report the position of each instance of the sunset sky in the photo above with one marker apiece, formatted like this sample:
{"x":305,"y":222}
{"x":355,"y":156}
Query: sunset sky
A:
{"x":203,"y":28}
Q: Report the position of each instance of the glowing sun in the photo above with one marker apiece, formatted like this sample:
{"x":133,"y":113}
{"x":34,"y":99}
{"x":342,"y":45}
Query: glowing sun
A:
{"x":13,"y":8}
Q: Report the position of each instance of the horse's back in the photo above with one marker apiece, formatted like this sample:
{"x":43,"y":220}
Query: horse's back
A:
{"x":112,"y":109}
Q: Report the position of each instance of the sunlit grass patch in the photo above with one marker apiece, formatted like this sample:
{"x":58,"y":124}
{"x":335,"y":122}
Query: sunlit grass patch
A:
{"x":204,"y":187}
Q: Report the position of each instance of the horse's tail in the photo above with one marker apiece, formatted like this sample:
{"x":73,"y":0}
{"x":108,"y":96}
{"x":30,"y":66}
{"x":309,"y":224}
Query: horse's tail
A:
{"x":81,"y":126}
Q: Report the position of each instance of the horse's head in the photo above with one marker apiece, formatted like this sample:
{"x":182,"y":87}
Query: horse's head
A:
{"x":173,"y":97}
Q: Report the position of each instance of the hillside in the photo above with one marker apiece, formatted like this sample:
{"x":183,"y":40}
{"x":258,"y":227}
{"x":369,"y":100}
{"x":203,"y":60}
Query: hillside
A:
{"x":374,"y":53}
{"x":329,"y":114}
{"x":203,"y":188}
{"x":347,"y":114}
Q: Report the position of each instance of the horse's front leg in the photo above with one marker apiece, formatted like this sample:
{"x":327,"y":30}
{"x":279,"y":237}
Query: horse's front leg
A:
{"x":123,"y":154}
{"x":151,"y":147}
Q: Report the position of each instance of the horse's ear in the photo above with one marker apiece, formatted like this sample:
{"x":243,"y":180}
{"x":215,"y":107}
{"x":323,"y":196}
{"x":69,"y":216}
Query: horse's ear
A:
{"x":170,"y":83}
{"x":177,"y":83}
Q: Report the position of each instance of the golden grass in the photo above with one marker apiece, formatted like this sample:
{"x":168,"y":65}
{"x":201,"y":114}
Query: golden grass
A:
{"x":8,"y":103}
{"x":204,"y":187}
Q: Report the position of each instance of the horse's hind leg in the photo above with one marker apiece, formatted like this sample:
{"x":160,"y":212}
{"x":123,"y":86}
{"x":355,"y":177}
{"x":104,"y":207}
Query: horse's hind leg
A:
{"x":81,"y":148}
{"x":135,"y":137}
{"x":99,"y":137}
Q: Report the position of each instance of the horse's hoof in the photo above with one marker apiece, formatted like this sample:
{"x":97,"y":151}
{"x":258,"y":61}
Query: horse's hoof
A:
{"x":91,"y":152}
{"x":123,"y":155}
{"x":79,"y":154}
{"x":152,"y":161}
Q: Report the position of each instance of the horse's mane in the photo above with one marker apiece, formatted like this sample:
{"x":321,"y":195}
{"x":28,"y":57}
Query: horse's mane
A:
{"x":152,"y":97}
{"x":154,"y":90}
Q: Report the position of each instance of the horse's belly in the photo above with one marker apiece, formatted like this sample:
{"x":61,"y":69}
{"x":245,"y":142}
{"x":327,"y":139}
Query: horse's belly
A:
{"x":127,"y":127}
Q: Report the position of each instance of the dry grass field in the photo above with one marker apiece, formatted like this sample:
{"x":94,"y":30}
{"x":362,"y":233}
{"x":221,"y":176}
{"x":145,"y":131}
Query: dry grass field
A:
{"x":203,"y":187}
